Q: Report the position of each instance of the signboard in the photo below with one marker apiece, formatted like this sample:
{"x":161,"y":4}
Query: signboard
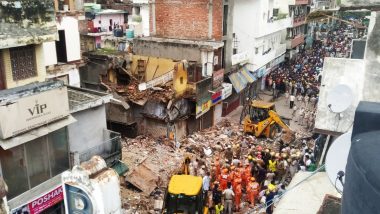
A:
{"x":216,"y":97}
{"x":217,"y":78}
{"x":261,"y":72}
{"x":33,"y":111}
{"x":227,"y":90}
{"x":157,"y":81}
{"x":240,"y":58}
{"x":42,"y":203}
{"x":202,"y":108}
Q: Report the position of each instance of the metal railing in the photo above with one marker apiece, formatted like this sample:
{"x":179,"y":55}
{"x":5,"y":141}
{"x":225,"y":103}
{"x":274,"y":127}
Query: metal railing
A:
{"x":109,"y":149}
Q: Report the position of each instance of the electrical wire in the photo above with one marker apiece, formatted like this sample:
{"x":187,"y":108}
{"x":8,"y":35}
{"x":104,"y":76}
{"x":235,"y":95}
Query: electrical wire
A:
{"x":271,"y":202}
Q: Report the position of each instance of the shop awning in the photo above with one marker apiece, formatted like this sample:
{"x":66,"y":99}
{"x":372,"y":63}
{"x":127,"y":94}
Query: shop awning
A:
{"x":239,"y":82}
{"x":36,"y":133}
{"x":248,"y":75}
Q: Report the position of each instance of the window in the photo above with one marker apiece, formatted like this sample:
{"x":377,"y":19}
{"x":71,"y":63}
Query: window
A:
{"x":31,"y":164}
{"x":256,"y":50}
{"x":181,"y":80}
{"x":2,"y":73}
{"x":225,"y":19}
{"x":137,"y":11}
{"x":23,"y":60}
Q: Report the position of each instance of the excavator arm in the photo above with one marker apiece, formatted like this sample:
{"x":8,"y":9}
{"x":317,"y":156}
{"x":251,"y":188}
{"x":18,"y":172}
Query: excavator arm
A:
{"x":262,"y":125}
{"x":274,"y":116}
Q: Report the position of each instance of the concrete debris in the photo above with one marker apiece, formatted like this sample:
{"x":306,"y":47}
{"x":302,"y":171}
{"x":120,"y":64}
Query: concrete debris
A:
{"x":161,"y":157}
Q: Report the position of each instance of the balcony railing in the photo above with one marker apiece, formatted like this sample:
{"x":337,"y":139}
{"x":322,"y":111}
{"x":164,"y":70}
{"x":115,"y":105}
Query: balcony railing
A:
{"x":273,"y":26}
{"x":300,"y":2}
{"x":109,"y":149}
{"x":295,"y":41}
{"x":299,"y":20}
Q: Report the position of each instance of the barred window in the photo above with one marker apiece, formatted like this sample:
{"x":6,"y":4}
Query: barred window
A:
{"x":23,"y":60}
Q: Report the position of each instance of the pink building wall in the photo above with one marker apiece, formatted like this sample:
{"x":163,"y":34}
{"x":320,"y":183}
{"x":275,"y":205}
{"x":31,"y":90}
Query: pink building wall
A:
{"x":105,"y":20}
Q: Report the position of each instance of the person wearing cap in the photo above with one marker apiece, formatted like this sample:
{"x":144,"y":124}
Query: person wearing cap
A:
{"x":238,"y":191}
{"x":228,"y":154}
{"x":269,"y":197}
{"x":223,"y":179}
{"x":246,"y":174}
{"x":253,"y":189}
{"x":228,"y":195}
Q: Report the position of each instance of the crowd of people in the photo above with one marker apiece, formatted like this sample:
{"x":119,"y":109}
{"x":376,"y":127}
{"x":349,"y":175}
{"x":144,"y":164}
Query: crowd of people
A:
{"x":258,"y":175}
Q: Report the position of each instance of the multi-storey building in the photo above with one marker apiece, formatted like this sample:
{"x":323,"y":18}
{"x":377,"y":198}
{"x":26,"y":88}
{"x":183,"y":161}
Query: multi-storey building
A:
{"x":258,"y":44}
{"x":46,"y":126}
{"x":298,"y":11}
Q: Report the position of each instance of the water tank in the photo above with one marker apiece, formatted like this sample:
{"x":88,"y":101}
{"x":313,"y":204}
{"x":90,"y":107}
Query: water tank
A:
{"x":361,"y":191}
{"x":130,"y":34}
{"x":118,"y":32}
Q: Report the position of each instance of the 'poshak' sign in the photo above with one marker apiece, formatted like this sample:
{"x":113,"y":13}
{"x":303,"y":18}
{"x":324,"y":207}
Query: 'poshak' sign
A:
{"x":42,"y":203}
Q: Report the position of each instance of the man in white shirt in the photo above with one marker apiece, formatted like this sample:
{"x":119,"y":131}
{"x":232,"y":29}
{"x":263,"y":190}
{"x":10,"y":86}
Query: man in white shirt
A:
{"x":206,"y":182}
{"x":292,"y":98}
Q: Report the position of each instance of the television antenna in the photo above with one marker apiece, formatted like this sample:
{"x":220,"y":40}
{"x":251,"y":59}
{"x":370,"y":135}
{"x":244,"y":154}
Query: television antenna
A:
{"x":336,"y":160}
{"x":340,"y":98}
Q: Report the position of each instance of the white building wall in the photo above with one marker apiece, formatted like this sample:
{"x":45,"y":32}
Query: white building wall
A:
{"x":70,"y":26}
{"x":207,"y":63}
{"x":50,"y":54}
{"x":87,"y":132}
{"x":257,"y":35}
{"x":144,"y":12}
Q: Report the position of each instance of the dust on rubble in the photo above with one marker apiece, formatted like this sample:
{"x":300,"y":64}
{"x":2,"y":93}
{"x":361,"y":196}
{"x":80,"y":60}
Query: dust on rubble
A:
{"x":164,"y":157}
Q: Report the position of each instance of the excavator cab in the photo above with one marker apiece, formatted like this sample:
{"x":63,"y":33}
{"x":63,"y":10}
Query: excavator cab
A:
{"x":262,"y":120}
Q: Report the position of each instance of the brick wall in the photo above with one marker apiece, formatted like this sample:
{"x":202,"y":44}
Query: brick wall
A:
{"x":40,"y":66}
{"x":188,"y":19}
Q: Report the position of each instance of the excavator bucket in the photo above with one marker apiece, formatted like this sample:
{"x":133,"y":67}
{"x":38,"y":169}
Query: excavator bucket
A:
{"x":287,"y":136}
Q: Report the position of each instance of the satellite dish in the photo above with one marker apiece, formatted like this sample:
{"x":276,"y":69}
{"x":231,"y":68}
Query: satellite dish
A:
{"x":336,"y":159}
{"x":340,"y":98}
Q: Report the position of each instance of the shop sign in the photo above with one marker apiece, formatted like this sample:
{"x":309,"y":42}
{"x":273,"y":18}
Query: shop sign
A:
{"x":42,"y":203}
{"x":216,"y":97}
{"x":261,"y":72}
{"x":33,"y":111}
{"x":227,"y":90}
{"x":202,"y":108}
{"x":217,"y":78}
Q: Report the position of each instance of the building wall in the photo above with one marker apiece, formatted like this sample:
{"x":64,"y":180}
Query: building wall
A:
{"x":166,"y":50}
{"x":50,"y":53}
{"x":40,"y":66}
{"x":71,"y":28}
{"x":189,"y":19}
{"x":156,"y":128}
{"x":156,"y":66}
{"x":105,"y":20}
{"x":87,"y":132}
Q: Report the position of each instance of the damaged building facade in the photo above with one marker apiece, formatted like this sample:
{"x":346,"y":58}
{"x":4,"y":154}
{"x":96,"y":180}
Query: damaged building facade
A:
{"x":58,"y":125}
{"x":155,"y":91}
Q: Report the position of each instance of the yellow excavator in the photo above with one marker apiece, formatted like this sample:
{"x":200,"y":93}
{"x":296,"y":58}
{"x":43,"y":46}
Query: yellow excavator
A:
{"x":262,"y":120}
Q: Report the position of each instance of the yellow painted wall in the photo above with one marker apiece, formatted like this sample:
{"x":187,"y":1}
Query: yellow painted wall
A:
{"x":40,"y":66}
{"x":180,"y":78}
{"x":164,"y":66}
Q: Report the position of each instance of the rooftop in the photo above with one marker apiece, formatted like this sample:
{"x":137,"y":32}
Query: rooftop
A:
{"x":110,"y":11}
{"x":81,"y":99}
{"x":196,"y":43}
{"x":28,"y":90}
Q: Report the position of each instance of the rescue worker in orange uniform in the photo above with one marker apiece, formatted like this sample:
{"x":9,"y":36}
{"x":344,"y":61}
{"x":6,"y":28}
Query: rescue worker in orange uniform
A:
{"x":253,"y":189}
{"x":246,"y":174}
{"x":231,"y":176}
{"x":217,"y":166}
{"x":238,"y":191}
{"x":223,"y":179}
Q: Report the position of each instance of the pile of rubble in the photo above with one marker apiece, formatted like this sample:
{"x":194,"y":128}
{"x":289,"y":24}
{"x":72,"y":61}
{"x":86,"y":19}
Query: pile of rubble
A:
{"x":153,"y":161}
{"x":151,"y":164}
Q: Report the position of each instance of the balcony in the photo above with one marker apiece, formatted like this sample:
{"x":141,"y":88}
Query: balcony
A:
{"x":260,"y":60}
{"x":295,"y":41}
{"x":299,"y":20}
{"x":280,"y":50}
{"x":274,"y":26}
{"x":109,"y":149}
{"x":298,"y":2}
